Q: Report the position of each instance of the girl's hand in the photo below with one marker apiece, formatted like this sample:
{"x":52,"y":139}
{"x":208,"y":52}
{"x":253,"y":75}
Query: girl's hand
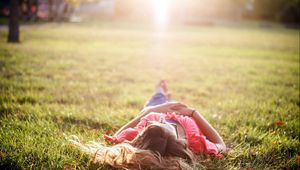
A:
{"x":167,"y":107}
{"x":111,"y":139}
{"x":186,"y":111}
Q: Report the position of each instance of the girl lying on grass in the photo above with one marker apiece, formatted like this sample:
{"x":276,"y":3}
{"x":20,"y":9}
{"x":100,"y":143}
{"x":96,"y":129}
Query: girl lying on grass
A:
{"x":165,"y":135}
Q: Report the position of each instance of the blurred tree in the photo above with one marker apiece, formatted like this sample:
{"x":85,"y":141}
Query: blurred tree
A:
{"x":124,"y":8}
{"x":52,"y":7}
{"x":33,"y":9}
{"x":28,"y":9}
{"x":56,"y":10}
{"x":75,"y":3}
{"x":287,"y":11}
{"x":290,"y":13}
{"x":60,"y":10}
{"x":13,"y":32}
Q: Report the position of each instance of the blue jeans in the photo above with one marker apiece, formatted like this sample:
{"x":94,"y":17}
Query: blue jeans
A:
{"x":156,"y":99}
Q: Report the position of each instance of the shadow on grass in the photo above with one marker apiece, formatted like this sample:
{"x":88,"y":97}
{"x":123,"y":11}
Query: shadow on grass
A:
{"x":8,"y":163}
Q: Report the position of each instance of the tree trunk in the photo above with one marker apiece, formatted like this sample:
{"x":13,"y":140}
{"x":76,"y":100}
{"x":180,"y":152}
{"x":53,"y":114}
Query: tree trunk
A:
{"x":13,"y":34}
{"x":29,"y":11}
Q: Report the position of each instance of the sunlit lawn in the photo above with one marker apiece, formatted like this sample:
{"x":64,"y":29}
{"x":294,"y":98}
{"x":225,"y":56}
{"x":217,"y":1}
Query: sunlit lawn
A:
{"x":90,"y":79}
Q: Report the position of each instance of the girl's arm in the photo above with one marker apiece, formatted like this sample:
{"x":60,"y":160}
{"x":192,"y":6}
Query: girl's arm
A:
{"x":162,"y":108}
{"x":208,"y":130}
{"x":134,"y":121}
{"x":204,"y":126}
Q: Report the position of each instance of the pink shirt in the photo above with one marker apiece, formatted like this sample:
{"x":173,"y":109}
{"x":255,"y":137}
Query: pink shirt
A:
{"x":196,"y":141}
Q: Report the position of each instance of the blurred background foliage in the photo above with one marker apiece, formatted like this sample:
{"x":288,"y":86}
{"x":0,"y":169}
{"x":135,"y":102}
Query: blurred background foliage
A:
{"x":286,"y":11}
{"x":283,"y":11}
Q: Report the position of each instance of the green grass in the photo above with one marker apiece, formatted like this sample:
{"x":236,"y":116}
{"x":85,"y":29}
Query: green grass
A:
{"x":91,"y":79}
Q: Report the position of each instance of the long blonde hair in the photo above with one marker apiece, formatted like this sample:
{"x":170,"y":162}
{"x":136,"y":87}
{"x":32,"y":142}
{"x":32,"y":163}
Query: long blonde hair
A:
{"x":152,"y":149}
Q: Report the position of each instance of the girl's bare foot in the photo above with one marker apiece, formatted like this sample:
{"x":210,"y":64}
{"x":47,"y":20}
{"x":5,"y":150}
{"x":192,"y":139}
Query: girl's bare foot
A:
{"x":161,"y":87}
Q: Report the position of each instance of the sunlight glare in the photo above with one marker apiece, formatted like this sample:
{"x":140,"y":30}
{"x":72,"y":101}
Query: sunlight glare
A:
{"x":161,"y":9}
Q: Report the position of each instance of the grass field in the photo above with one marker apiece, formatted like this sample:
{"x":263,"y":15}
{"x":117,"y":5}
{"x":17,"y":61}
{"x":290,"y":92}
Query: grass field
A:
{"x":90,"y":79}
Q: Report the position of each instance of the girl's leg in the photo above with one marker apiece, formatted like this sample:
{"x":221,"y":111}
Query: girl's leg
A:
{"x":156,"y":99}
{"x":160,"y":96}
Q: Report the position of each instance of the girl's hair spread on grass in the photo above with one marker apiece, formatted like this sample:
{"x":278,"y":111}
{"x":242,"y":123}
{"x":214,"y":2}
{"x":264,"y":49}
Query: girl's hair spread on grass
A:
{"x":152,"y":149}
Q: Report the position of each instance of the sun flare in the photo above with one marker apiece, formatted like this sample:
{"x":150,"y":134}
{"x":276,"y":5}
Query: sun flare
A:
{"x":161,"y":11}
